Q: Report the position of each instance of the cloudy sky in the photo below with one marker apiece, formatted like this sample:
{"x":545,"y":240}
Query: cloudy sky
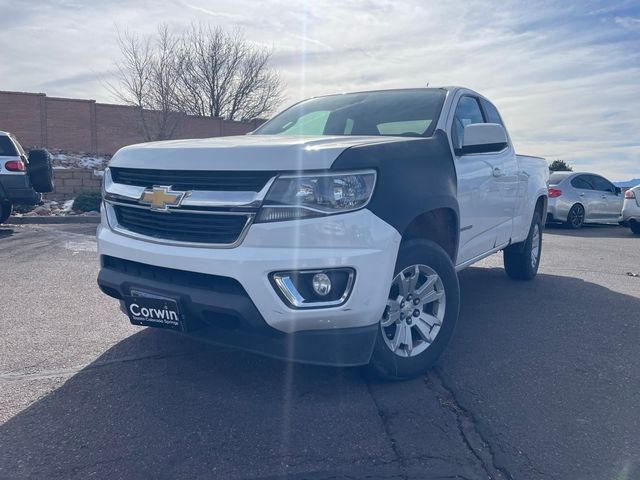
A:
{"x":565,"y":75}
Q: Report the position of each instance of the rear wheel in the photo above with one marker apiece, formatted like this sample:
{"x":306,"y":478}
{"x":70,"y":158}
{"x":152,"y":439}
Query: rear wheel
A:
{"x":5,"y":211}
{"x":575,"y":219}
{"x":421,"y":312}
{"x":521,"y":261}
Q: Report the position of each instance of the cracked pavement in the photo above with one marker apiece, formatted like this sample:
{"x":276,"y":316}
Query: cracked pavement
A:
{"x":541,"y":381}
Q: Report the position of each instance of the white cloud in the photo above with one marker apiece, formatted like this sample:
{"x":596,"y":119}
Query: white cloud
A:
{"x":565,"y":77}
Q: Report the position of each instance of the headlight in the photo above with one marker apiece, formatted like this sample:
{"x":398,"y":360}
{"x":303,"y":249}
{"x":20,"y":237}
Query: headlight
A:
{"x":306,"y":196}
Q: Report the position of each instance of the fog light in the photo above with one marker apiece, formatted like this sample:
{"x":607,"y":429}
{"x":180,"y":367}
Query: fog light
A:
{"x":321,"y":284}
{"x":324,"y":288}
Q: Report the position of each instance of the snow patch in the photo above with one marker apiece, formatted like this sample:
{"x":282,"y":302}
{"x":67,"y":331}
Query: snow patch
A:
{"x":62,"y":159}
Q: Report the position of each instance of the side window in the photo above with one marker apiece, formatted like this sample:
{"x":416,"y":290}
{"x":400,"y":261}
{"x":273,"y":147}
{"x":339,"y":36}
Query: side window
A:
{"x":582,"y":182}
{"x":18,"y":146}
{"x":491,"y":112}
{"x":602,"y":185}
{"x":467,"y":112}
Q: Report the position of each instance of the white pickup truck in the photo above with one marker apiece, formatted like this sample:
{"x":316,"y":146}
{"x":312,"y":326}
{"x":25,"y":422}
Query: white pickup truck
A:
{"x":330,"y":235}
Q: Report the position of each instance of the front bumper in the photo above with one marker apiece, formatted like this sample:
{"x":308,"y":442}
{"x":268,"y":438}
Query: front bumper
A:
{"x":218,"y":310}
{"x":359,"y":240}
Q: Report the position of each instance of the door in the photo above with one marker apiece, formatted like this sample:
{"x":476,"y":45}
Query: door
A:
{"x":586,"y":194}
{"x":482,"y":185}
{"x":507,"y":179}
{"x":610,"y":202}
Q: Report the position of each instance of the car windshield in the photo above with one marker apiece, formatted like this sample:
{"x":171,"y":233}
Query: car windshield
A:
{"x":411,"y":113}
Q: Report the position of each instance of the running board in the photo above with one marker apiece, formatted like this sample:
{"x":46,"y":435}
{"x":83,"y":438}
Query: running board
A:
{"x":464,"y":265}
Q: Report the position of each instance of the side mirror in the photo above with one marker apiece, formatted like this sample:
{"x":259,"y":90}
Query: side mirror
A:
{"x":618,"y":190}
{"x":483,"y":138}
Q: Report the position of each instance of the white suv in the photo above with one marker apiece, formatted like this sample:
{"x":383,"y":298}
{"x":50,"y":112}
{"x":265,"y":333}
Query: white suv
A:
{"x":22,"y":178}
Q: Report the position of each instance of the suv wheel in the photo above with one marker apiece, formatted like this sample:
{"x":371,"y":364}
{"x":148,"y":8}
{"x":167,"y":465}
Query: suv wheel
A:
{"x":421,"y":312}
{"x":5,"y":211}
{"x":40,"y":171}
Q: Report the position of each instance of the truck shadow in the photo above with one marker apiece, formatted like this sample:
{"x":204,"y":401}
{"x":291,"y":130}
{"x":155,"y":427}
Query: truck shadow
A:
{"x":160,"y":406}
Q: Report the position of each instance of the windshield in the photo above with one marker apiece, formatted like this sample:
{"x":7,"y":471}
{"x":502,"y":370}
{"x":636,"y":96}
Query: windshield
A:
{"x":411,"y":113}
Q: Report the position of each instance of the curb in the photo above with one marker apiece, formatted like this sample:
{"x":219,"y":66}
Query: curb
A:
{"x":51,"y":220}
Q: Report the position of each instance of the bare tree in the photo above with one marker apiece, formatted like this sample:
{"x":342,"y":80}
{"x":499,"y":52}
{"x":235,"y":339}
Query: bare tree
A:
{"x":224,"y":75}
{"x":203,"y":71}
{"x":148,"y":77}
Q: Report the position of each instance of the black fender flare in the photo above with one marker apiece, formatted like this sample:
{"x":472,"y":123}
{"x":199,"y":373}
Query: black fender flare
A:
{"x":415,"y":176}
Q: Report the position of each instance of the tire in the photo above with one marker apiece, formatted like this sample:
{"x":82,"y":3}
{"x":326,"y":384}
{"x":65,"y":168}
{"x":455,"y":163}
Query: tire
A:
{"x":40,"y":171}
{"x":575,"y":219}
{"x":635,"y":228}
{"x":437,"y":278}
{"x":5,"y":211}
{"x":521,"y":260}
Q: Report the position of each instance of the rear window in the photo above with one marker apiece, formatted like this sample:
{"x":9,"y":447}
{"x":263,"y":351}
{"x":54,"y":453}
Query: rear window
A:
{"x":412,"y":127}
{"x":7,"y":149}
{"x":556,"y":178}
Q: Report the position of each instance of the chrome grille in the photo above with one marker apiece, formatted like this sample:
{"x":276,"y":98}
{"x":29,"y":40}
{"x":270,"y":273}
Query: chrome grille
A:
{"x":200,"y":218}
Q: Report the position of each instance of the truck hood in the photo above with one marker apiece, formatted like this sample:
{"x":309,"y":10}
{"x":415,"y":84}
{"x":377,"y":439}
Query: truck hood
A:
{"x":249,"y":152}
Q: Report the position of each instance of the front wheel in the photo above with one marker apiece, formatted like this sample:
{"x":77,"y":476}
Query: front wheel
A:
{"x":635,"y":228}
{"x":521,"y":260}
{"x":421,"y":312}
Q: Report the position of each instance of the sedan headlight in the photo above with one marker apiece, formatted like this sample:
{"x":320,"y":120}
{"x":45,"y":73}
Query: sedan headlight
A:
{"x":305,"y":196}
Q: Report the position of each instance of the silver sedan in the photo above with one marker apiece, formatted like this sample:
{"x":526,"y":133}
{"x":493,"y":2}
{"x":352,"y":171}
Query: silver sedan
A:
{"x":576,"y":198}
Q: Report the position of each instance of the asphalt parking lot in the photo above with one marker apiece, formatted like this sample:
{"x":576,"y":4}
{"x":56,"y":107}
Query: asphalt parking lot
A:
{"x":541,"y":381}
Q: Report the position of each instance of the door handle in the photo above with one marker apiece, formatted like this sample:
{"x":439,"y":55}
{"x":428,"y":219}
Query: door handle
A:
{"x":497,"y":172}
{"x":603,"y":196}
{"x":581,"y":195}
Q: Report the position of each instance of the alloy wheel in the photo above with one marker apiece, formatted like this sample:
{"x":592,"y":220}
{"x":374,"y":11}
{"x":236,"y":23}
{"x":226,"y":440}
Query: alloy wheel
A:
{"x":414,"y":312}
{"x":577,"y":216}
{"x":535,"y":246}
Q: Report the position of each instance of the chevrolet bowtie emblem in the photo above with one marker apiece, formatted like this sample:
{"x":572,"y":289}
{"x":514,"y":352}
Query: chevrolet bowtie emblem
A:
{"x":161,"y":198}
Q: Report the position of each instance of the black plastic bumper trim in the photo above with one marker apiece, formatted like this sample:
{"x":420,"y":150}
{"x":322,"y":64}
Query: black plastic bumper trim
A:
{"x":218,"y":310}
